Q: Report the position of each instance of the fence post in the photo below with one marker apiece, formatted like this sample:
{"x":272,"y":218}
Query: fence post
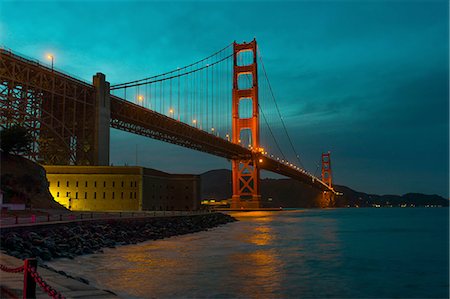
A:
{"x":29,"y":285}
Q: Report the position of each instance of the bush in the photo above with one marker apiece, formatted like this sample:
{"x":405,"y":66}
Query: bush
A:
{"x":15,"y":140}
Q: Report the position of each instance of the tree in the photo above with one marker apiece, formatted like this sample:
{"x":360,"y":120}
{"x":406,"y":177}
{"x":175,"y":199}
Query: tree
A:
{"x":15,"y":140}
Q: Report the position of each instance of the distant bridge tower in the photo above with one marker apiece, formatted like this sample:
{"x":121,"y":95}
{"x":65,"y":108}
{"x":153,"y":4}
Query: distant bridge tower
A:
{"x":246,"y":191}
{"x":326,"y":169}
{"x":327,"y":178}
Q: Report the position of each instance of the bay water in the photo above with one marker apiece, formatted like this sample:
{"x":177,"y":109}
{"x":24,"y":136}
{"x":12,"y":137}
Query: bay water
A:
{"x":330,"y":253}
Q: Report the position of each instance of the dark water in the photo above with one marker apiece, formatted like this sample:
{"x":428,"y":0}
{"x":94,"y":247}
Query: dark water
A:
{"x":342,"y":253}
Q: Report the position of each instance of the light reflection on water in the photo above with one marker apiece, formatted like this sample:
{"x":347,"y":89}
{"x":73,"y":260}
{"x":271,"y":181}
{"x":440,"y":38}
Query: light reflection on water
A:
{"x":344,"y":253}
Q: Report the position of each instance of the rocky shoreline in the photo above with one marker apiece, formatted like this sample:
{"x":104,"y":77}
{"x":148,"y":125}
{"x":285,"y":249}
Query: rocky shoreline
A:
{"x":85,"y":237}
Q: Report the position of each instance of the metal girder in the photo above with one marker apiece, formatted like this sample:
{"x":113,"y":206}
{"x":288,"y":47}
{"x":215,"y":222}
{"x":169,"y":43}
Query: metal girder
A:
{"x":56,"y":109}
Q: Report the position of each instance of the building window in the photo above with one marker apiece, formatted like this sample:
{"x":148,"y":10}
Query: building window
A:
{"x":131,"y":195}
{"x":114,"y":184}
{"x":67,"y":194}
{"x":104,"y":195}
{"x":131,"y":184}
{"x":122,"y":183}
{"x":58,"y":183}
{"x":121,"y":195}
{"x":85,"y":195}
{"x":186,"y":187}
{"x":85,"y":184}
{"x":95,"y":195}
{"x":95,"y":184}
{"x":57,"y":194}
{"x":104,"y":184}
{"x":134,"y":195}
{"x":76,"y":195}
{"x":113,"y":195}
{"x":67,"y":183}
{"x":135,"y":183}
{"x":76,"y":184}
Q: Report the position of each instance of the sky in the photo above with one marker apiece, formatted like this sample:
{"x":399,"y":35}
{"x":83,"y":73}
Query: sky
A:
{"x":366,"y":80}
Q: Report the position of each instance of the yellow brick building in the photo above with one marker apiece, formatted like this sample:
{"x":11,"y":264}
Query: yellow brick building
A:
{"x":122,"y":188}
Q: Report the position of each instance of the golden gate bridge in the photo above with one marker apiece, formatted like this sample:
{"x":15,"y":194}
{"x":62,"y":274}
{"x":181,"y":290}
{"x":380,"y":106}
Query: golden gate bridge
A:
{"x":223,"y":105}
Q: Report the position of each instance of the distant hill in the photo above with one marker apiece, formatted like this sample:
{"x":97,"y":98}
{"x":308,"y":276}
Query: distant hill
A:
{"x":23,"y":181}
{"x":288,"y":193}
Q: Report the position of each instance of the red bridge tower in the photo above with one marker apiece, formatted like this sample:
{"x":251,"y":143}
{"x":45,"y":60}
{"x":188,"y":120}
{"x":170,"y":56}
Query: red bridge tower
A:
{"x":327,"y":178}
{"x":246,"y":192}
{"x":326,"y":169}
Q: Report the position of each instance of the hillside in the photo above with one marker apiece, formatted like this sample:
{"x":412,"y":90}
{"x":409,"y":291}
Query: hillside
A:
{"x":288,"y":193}
{"x":23,"y":181}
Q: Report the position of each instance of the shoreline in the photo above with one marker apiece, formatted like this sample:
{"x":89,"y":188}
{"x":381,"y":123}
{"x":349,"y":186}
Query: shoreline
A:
{"x":68,"y":240}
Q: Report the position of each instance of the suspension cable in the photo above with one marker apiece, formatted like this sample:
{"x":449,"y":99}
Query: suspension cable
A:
{"x":278,"y":110}
{"x":172,"y":71}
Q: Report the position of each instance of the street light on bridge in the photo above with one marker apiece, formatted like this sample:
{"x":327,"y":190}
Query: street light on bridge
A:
{"x":171,"y":112}
{"x":140,"y":98}
{"x":52,"y":58}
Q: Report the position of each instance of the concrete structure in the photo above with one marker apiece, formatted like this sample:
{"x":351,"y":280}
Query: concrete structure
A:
{"x":122,"y":188}
{"x":103,"y":116}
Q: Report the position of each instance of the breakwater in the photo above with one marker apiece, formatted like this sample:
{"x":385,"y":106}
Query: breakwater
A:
{"x":67,"y":240}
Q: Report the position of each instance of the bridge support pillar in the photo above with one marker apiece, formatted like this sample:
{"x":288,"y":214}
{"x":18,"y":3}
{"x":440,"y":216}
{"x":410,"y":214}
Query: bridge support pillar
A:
{"x":327,"y":196}
{"x":102,"y":119}
{"x":245,"y":171}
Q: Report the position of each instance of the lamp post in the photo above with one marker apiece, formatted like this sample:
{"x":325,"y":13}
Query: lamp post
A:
{"x":52,"y":58}
{"x":140,"y":99}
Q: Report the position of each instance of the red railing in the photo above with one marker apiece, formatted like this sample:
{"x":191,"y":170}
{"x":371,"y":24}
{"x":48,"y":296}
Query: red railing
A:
{"x":30,"y":278}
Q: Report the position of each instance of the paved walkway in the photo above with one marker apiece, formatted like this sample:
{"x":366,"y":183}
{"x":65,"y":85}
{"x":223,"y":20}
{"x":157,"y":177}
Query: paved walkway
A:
{"x":12,"y":283}
{"x":31,"y":220}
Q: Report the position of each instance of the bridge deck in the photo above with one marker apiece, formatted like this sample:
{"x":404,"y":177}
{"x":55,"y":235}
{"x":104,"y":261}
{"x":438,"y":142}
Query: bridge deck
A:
{"x":136,"y":119}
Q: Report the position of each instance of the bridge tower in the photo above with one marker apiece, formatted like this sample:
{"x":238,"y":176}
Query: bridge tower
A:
{"x":327,"y":178}
{"x":245,"y":172}
{"x":326,"y":169}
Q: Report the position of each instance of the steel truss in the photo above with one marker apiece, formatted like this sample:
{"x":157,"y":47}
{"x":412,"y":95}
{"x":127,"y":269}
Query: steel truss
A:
{"x":57,"y":109}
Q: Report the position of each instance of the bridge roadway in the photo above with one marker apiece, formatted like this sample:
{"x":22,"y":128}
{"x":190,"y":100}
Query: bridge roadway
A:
{"x":136,"y":119}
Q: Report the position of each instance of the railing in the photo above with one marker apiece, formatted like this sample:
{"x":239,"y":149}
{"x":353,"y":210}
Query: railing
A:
{"x":16,"y":220}
{"x":30,"y":278}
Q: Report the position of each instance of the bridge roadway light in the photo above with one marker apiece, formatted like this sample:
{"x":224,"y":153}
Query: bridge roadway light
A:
{"x":52,"y":58}
{"x":171,"y":112}
{"x":260,"y":160}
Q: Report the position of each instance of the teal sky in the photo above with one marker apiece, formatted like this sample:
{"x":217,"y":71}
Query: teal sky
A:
{"x":367,"y":80}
